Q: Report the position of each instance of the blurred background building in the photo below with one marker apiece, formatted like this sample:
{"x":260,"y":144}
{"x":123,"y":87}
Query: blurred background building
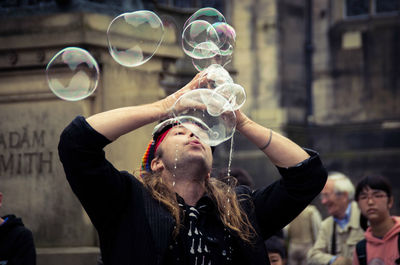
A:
{"x":326,"y":73}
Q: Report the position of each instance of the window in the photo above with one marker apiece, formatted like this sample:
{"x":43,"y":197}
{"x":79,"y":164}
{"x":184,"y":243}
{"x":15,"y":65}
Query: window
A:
{"x":385,"y":6}
{"x":217,"y":4}
{"x":357,"y":7}
{"x":13,"y":3}
{"x":360,"y":8}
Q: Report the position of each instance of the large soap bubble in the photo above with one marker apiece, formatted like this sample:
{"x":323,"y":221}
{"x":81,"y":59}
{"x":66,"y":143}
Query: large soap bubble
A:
{"x":72,"y":74}
{"x":134,"y":37}
{"x":214,"y":115}
{"x":209,"y":14}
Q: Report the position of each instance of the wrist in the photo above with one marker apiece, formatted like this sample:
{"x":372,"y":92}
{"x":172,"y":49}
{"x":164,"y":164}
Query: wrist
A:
{"x":164,"y":107}
{"x":241,"y":121}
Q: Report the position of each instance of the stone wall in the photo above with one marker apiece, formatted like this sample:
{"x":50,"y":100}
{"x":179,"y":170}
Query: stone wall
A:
{"x":32,"y":118}
{"x":356,"y":124}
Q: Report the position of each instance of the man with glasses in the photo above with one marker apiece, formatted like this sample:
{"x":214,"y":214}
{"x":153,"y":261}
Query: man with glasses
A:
{"x":340,"y":232}
{"x":380,"y":246}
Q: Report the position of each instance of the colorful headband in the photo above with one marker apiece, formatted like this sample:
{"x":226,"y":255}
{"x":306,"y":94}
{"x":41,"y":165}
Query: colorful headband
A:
{"x":159,"y":133}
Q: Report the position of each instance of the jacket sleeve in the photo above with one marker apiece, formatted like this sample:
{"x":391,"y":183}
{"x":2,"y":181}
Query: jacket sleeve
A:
{"x":25,"y":253}
{"x":319,"y":253}
{"x":278,"y":204}
{"x":102,"y":189}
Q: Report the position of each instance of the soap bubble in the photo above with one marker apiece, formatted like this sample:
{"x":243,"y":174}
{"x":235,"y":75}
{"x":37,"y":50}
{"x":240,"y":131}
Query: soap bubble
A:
{"x":225,"y":43}
{"x":209,"y":14}
{"x":72,"y":74}
{"x":199,"y":38}
{"x":226,"y":37}
{"x":216,"y":76}
{"x":208,"y":39}
{"x":133,"y":38}
{"x":202,"y":63}
{"x":234,"y":93}
{"x":213,"y":113}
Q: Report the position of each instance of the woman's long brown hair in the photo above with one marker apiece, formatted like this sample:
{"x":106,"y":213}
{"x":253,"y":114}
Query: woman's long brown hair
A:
{"x":230,"y":212}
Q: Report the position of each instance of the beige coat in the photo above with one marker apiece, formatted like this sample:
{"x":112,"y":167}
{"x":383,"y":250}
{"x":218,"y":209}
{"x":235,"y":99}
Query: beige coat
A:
{"x":346,"y":239}
{"x":304,"y":228}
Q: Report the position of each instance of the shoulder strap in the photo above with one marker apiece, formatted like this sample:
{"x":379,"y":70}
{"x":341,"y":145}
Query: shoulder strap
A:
{"x":333,"y":239}
{"x":361,"y":250}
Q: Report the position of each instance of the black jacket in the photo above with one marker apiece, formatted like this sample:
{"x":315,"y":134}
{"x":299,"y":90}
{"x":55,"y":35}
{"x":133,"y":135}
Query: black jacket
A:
{"x":136,"y":229}
{"x":16,"y":243}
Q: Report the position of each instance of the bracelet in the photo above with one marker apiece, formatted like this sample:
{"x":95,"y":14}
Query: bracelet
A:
{"x":269,"y":141}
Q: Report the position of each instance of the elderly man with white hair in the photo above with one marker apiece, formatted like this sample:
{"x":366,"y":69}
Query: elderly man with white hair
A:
{"x":340,"y":232}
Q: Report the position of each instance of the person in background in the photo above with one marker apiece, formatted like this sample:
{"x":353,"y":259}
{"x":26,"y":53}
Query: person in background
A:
{"x":301,"y":235}
{"x":16,"y":241}
{"x":340,"y":232}
{"x":381,"y":243}
{"x":276,"y":250}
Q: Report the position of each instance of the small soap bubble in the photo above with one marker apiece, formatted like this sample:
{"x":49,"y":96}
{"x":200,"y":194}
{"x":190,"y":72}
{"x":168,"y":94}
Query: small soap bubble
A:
{"x":234,"y":93}
{"x":133,"y":38}
{"x":199,"y":40}
{"x":72,"y":74}
{"x":226,"y":37}
{"x":205,"y":113}
{"x":216,"y":76}
{"x":202,"y":63}
{"x":215,"y":135}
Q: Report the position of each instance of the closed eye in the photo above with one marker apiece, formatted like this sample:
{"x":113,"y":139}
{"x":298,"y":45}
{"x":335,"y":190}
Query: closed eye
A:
{"x":179,"y":133}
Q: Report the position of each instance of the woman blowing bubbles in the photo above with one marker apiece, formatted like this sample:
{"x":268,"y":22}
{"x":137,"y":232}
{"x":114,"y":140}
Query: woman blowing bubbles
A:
{"x":174,"y":213}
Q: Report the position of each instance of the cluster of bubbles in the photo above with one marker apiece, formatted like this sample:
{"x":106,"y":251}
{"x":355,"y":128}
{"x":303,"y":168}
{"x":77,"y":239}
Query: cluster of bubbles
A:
{"x":133,"y":38}
{"x":212,"y":108}
{"x":208,"y":39}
